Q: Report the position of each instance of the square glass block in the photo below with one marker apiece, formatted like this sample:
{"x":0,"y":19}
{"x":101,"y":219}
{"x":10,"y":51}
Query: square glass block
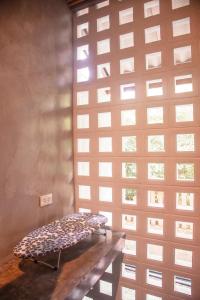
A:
{"x":154,"y":277}
{"x":152,"y":297}
{"x":152,"y":34}
{"x":128,"y":271}
{"x":84,"y":192}
{"x":155,"y":226}
{"x":154,"y":87}
{"x":105,"y":287}
{"x":104,"y":119}
{"x":156,"y":171}
{"x":126,"y":16}
{"x":103,"y":23}
{"x":128,"y":117}
{"x":129,"y":170}
{"x":87,"y":298}
{"x":185,"y":201}
{"x":82,"y":30}
{"x":127,"y":65}
{"x":129,"y":196}
{"x":109,"y":269}
{"x":182,"y":55}
{"x":83,"y":74}
{"x":82,"y":98}
{"x":156,"y":143}
{"x":156,"y":199}
{"x":184,"y":113}
{"x":155,"y":115}
{"x":185,"y":142}
{"x":83,"y":168}
{"x":83,"y":145}
{"x":128,"y":222}
{"x":84,"y":210}
{"x":82,"y":52}
{"x":103,"y":70}
{"x":130,"y":247}
{"x":129,"y":144}
{"x":184,"y":230}
{"x":127,"y":293}
{"x":183,"y":285}
{"x":83,"y":121}
{"x":179,"y":3}
{"x":108,"y":215}
{"x":126,"y":40}
{"x":181,"y":27}
{"x":102,"y":4}
{"x":155,"y":252}
{"x":127,"y":91}
{"x":183,"y":258}
{"x":153,"y":60}
{"x":82,"y":12}
{"x":105,"y":144}
{"x":103,"y":95}
{"x":105,"y":193}
{"x":183,"y":84}
{"x":185,"y":171}
{"x":105,"y":169}
{"x":103,"y":46}
{"x":151,"y":8}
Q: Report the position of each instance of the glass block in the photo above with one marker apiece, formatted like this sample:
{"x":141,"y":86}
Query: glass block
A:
{"x":153,"y":60}
{"x":82,"y":52}
{"x":128,"y":294}
{"x":128,"y":271}
{"x":129,"y":247}
{"x":156,"y":143}
{"x":181,"y":27}
{"x":108,"y":215}
{"x":152,"y":297}
{"x":183,"y":258}
{"x":103,"y":95}
{"x":84,"y":210}
{"x":103,"y":70}
{"x":151,"y":8}
{"x":155,"y":115}
{"x":185,"y":201}
{"x":102,"y":4}
{"x":156,"y":171}
{"x":83,"y":145}
{"x":105,"y":287}
{"x":105,"y":144}
{"x":155,"y":226}
{"x":126,"y":16}
{"x":129,"y":196}
{"x":103,"y":46}
{"x":83,"y":168}
{"x":84,"y":192}
{"x":83,"y":98}
{"x":156,"y":199}
{"x":82,"y":30}
{"x":182,"y":55}
{"x":184,"y":113}
{"x":126,"y":40}
{"x":129,"y":170}
{"x":183,"y":84}
{"x":82,"y":12}
{"x":109,"y":269}
{"x":83,"y":74}
{"x":83,"y":121}
{"x":127,"y":65}
{"x":185,"y":171}
{"x":105,"y":194}
{"x":185,"y":142}
{"x":152,"y":34}
{"x":155,"y":252}
{"x":179,"y":3}
{"x":127,"y":91}
{"x":129,"y":222}
{"x":103,"y":23}
{"x":128,"y":117}
{"x":154,"y":87}
{"x":154,"y":277}
{"x":182,"y":285}
{"x":184,"y":230}
{"x":129,"y":144}
{"x":104,"y":119}
{"x":105,"y":169}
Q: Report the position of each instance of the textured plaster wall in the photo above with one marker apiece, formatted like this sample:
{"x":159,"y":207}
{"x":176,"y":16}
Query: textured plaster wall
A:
{"x":35,"y":115}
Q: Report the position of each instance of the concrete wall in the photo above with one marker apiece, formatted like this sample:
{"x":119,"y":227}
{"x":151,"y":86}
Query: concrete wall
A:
{"x":35,"y":115}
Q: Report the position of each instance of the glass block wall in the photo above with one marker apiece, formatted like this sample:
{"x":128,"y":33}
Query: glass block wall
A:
{"x":137,"y":137}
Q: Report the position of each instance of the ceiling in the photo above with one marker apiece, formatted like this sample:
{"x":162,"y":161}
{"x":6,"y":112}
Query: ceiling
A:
{"x":76,"y":4}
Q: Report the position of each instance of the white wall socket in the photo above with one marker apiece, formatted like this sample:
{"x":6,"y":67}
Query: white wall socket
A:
{"x":46,"y":200}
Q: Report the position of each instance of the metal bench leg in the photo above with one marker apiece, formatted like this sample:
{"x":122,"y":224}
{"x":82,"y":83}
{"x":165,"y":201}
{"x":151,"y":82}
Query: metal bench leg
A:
{"x":47,"y":264}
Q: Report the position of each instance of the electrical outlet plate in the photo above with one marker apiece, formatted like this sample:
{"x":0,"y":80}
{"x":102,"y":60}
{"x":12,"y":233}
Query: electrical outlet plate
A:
{"x":46,"y":200}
